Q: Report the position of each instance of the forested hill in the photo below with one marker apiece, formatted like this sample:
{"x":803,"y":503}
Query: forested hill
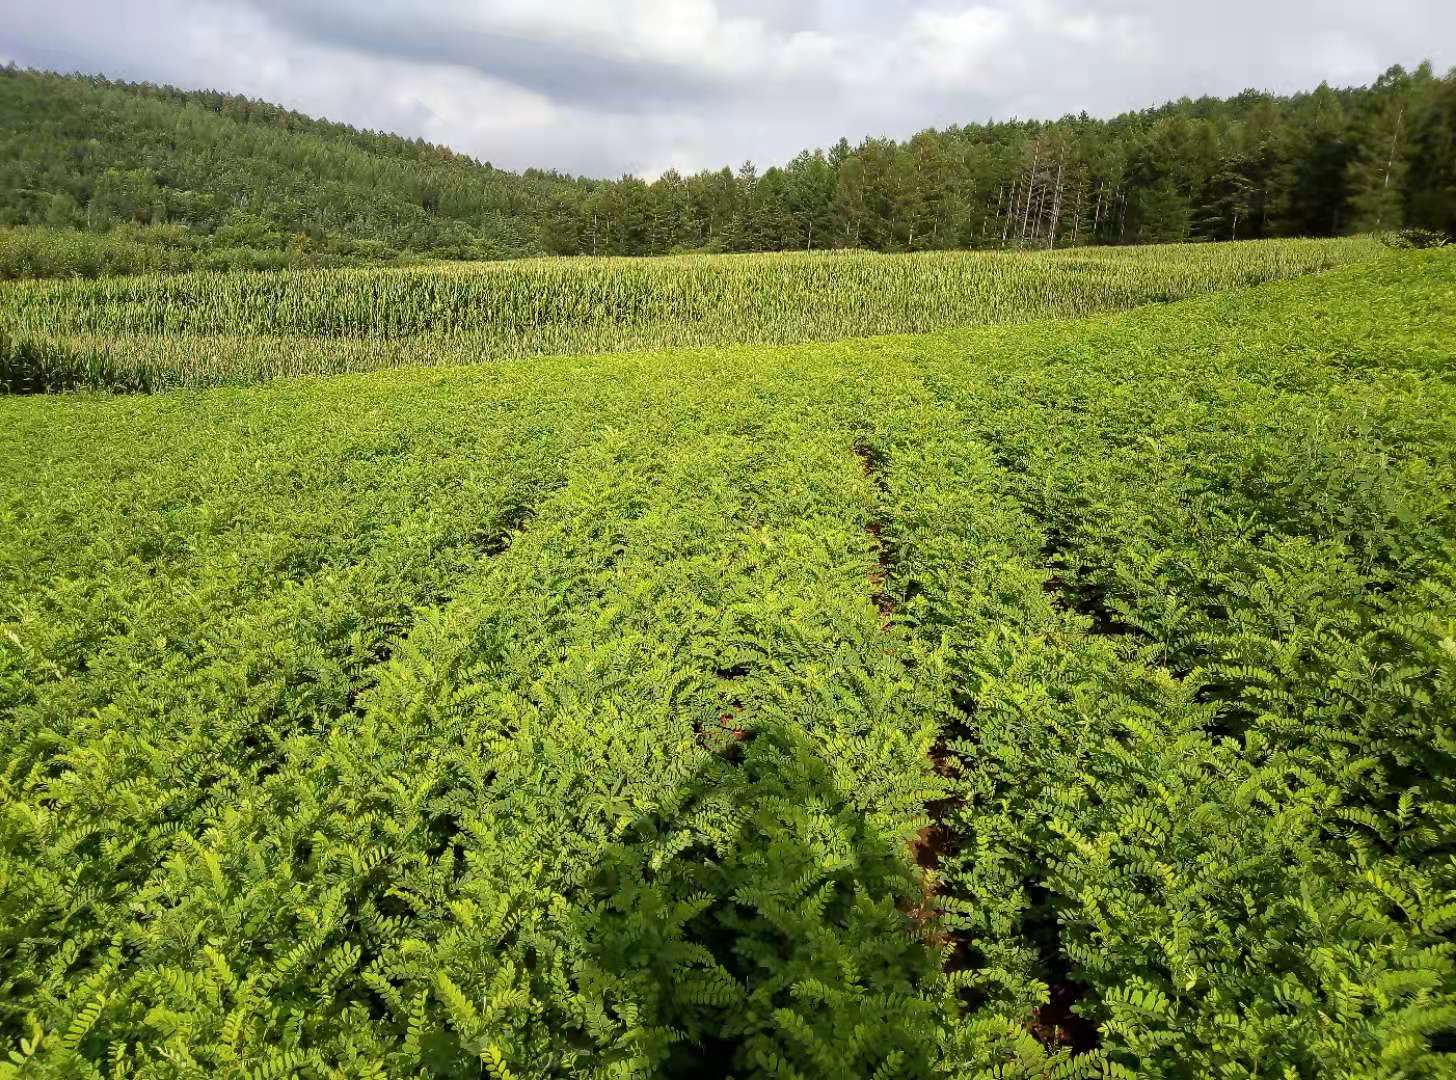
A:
{"x":90,"y":153}
{"x":225,"y":173}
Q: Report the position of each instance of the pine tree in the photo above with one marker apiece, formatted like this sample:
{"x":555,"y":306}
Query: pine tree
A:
{"x":1433,"y":161}
{"x":1164,"y":214}
{"x":1376,"y":178}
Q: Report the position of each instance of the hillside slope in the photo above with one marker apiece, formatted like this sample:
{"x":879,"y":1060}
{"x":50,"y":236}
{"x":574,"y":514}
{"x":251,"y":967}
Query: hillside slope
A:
{"x":241,"y":177}
{"x":89,"y":153}
{"x":827,"y":710}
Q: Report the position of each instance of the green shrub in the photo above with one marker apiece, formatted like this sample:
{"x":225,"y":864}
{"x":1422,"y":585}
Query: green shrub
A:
{"x":1070,"y":699}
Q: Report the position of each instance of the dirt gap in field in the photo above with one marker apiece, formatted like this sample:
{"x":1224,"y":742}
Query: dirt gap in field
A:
{"x":934,"y":842}
{"x":1054,"y":1024}
{"x":488,"y":542}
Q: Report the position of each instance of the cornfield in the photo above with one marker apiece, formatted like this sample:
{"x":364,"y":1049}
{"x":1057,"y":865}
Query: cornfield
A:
{"x":157,"y":332}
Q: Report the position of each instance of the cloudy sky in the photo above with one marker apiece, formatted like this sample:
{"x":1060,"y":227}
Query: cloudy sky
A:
{"x":604,"y":87}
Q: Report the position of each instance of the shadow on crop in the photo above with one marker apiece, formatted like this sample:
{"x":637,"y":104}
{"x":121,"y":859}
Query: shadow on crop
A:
{"x":754,"y":921}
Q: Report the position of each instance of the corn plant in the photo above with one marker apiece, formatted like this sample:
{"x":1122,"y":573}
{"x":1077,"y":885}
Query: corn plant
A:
{"x":201,"y":329}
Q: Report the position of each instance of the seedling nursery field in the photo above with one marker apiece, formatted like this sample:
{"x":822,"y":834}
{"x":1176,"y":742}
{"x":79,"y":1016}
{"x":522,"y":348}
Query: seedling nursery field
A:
{"x":1015,"y":665}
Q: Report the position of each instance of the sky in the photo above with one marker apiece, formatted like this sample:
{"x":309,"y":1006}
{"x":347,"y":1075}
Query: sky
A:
{"x":606,"y":87}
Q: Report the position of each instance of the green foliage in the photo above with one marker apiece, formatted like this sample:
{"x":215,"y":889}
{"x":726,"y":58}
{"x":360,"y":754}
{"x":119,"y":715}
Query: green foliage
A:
{"x":824,"y":711}
{"x":29,"y":251}
{"x":155,"y":333}
{"x":1198,"y":595}
{"x":247,"y":184}
{"x":1415,"y":239}
{"x":254,"y":185}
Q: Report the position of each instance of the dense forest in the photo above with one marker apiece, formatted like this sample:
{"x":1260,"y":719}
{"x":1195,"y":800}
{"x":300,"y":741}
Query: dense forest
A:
{"x":222,"y":173}
{"x":1315,"y":164}
{"x":90,"y":154}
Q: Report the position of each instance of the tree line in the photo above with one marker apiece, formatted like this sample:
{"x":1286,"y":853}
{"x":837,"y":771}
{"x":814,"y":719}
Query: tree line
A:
{"x":1257,"y":165}
{"x":86,"y":153}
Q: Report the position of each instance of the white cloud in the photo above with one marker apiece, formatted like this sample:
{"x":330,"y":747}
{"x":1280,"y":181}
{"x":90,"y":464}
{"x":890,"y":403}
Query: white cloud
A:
{"x":957,"y":50}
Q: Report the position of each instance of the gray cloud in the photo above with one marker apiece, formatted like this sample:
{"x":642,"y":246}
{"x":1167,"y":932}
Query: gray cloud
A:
{"x":573,"y":71}
{"x":607,"y":86}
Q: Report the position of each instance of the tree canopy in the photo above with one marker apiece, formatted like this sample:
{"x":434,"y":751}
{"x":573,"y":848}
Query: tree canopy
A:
{"x":89,"y":154}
